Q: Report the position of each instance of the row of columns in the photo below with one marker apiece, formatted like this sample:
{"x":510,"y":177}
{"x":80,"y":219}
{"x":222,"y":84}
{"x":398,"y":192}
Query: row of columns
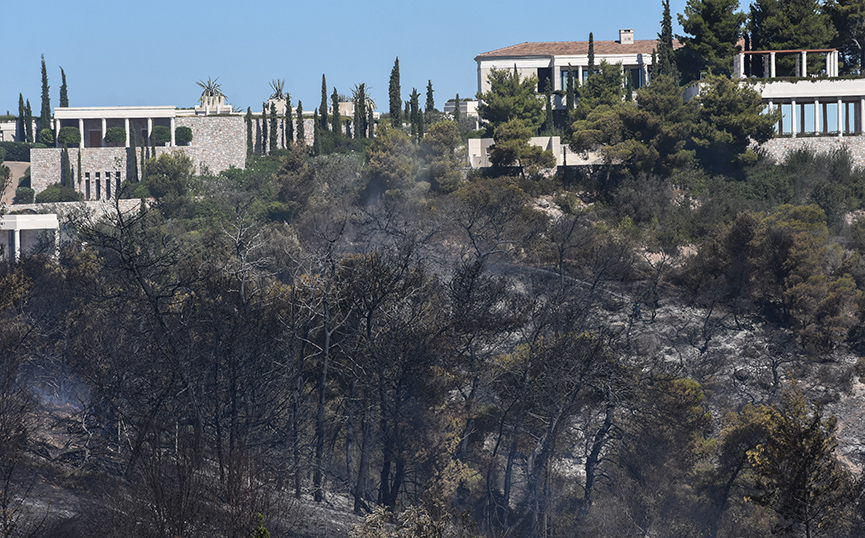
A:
{"x":558,"y":85}
{"x":126,"y":124}
{"x":801,"y":63}
{"x":818,"y":106}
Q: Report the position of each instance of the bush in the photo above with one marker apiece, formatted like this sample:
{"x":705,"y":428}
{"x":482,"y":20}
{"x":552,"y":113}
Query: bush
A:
{"x":160,"y":135}
{"x":18,"y":151}
{"x":46,"y":136}
{"x":183,"y":136}
{"x":69,"y":136}
{"x":57,"y":193}
{"x":115,"y":135}
{"x":24,"y":195}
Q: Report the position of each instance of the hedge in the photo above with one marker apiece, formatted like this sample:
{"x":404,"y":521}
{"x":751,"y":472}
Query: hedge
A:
{"x":19,"y":151}
{"x":115,"y":135}
{"x":160,"y":135}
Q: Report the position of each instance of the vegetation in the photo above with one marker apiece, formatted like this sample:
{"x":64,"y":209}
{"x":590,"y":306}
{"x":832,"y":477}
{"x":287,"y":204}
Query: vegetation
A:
{"x":116,"y":136}
{"x":160,"y":135}
{"x":69,"y":136}
{"x":183,"y":135}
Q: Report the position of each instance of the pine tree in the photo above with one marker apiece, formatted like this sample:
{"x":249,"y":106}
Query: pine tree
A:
{"x":301,"y":134}
{"x":335,"y":119}
{"x":289,"y":121}
{"x":716,"y":27}
{"x":322,"y":108}
{"x":260,"y":530}
{"x":64,"y":96}
{"x":666,"y":62}
{"x":430,"y":102}
{"x":250,"y":143}
{"x":20,"y":131}
{"x":591,"y":67}
{"x":264,"y":137}
{"x":274,"y":128}
{"x":394,"y":95}
{"x":791,"y":25}
{"x":457,"y":110}
{"x":28,"y":122}
{"x":45,"y":115}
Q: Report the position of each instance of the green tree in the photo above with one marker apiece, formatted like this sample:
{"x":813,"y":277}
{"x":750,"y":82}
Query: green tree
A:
{"x":415,"y":115}
{"x":250,"y":141}
{"x":301,"y":128}
{"x":289,"y":122}
{"x":547,"y":127}
{"x":791,"y":25}
{"x":457,"y":110}
{"x":46,"y":136}
{"x":392,"y":160}
{"x":799,"y":475}
{"x":604,"y":87}
{"x":322,"y":107}
{"x":335,"y":119}
{"x":511,"y":98}
{"x":45,"y":115}
{"x":260,"y":530}
{"x":441,"y":143}
{"x":160,"y":135}
{"x":69,"y":136}
{"x":28,"y":122}
{"x":316,"y":130}
{"x":430,"y":106}
{"x":666,"y":62}
{"x":848,"y":17}
{"x":274,"y":130}
{"x":64,"y":94}
{"x":590,"y":69}
{"x":713,"y":28}
{"x":20,"y":130}
{"x":394,"y":95}
{"x":132,"y":171}
{"x":115,"y":135}
{"x":182,"y":135}
{"x":512,"y":148}
{"x":264,"y":137}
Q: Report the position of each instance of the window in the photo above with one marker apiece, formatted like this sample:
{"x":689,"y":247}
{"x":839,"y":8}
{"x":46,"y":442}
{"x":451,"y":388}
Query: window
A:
{"x":108,"y":185}
{"x":87,"y":185}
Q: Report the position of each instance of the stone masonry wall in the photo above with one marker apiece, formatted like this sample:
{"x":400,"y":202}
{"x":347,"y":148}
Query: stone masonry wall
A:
{"x":218,"y":143}
{"x":777,"y":148}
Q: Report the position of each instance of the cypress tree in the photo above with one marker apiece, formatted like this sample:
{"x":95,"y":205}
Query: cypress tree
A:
{"x":359,"y":111}
{"x":250,"y":143}
{"x":370,"y":122}
{"x":629,"y":86}
{"x":430,"y":103}
{"x":666,"y":63}
{"x":335,"y":119}
{"x":548,"y":97}
{"x":571,"y":90}
{"x":64,"y":96}
{"x":274,"y":128}
{"x":591,"y":67}
{"x":20,"y":132}
{"x":322,"y":108}
{"x":457,"y":110}
{"x":45,"y":115}
{"x":301,"y":134}
{"x":132,"y":174}
{"x":289,"y":121}
{"x":316,"y":128}
{"x":66,"y":171}
{"x":414,"y":114}
{"x":264,"y":137}
{"x":394,"y":95}
{"x":79,"y":165}
{"x":28,"y":122}
{"x":143,"y":162}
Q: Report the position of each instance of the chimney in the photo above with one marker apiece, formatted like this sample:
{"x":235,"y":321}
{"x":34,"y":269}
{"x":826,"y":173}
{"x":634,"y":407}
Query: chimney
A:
{"x":626,"y":36}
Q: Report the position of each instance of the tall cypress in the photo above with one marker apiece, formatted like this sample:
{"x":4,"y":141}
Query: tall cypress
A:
{"x":430,"y":102}
{"x":132,"y":173}
{"x":322,"y":108}
{"x":335,"y":119}
{"x":591,"y":67}
{"x":274,"y":128}
{"x":370,"y":121}
{"x":457,"y":110}
{"x":571,"y":90}
{"x":264,"y":137}
{"x":394,"y":94}
{"x":316,"y":128}
{"x":250,"y":143}
{"x":28,"y":122}
{"x":66,"y":167}
{"x":414,"y":114}
{"x":548,"y":98}
{"x":360,"y":110}
{"x":666,"y":63}
{"x":301,"y":132}
{"x":64,"y":95}
{"x":289,"y":121}
{"x":20,"y":132}
{"x":45,"y":115}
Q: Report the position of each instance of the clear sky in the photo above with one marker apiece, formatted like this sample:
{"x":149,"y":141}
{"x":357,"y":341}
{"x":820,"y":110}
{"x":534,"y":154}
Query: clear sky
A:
{"x":153,"y":52}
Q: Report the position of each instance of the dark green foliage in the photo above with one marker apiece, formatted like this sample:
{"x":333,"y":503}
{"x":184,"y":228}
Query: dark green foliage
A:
{"x":360,"y":99}
{"x":666,"y":62}
{"x":64,"y":94}
{"x":604,"y":87}
{"x":57,"y":193}
{"x":18,"y":151}
{"x":713,"y":28}
{"x":46,"y":136}
{"x":250,"y":141}
{"x":335,"y":118}
{"x":69,"y":136}
{"x":394,"y":95}
{"x":274,"y":131}
{"x":45,"y":115}
{"x":547,"y":126}
{"x":160,"y":135}
{"x":457,"y":109}
{"x":571,"y":92}
{"x":790,"y":25}
{"x":132,"y":160}
{"x":511,"y":98}
{"x":415,"y":115}
{"x":66,"y":168}
{"x":591,"y":55}
{"x":182,"y":136}
{"x":115,"y":135}
{"x":264,"y":138}
{"x":168,"y":180}
{"x":848,"y":17}
{"x":28,"y":123}
{"x":430,"y":105}
{"x":24,"y":195}
{"x":301,"y":129}
{"x":322,"y":108}
{"x":289,"y":122}
{"x":20,"y":131}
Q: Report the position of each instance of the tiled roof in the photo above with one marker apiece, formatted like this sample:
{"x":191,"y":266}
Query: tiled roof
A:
{"x":573,"y":48}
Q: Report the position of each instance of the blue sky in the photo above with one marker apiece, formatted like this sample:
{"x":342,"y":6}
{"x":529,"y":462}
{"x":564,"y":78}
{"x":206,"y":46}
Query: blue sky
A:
{"x":152,"y":53}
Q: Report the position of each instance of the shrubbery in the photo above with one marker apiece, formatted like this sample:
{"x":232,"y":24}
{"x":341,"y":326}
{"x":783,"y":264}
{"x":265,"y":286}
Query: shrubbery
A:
{"x":57,"y":193}
{"x":160,"y":135}
{"x":70,"y":136}
{"x":183,"y":136}
{"x":24,"y":195}
{"x":115,"y":135}
{"x":19,"y":151}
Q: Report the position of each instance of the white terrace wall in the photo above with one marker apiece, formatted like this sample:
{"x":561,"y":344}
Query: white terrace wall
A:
{"x":778,"y":148}
{"x":218,"y":143}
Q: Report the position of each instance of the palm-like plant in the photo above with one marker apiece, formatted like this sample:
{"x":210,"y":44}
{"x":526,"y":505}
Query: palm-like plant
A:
{"x":209,"y":89}
{"x":278,"y":87}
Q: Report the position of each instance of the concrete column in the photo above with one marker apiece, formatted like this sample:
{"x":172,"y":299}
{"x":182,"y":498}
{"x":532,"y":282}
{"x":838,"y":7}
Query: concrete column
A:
{"x":56,"y":244}
{"x":861,"y":115}
{"x":803,"y":60}
{"x":771,"y":65}
{"x":798,"y":70}
{"x":126,"y":126}
{"x":645,"y":74}
{"x":149,"y":129}
{"x":840,"y":118}
{"x":16,"y":237}
{"x":793,"y":123}
{"x":579,"y":75}
{"x":173,"y":143}
{"x":104,"y":126}
{"x":740,"y":65}
{"x":825,"y":108}
{"x":816,"y":115}
{"x":57,"y":134}
{"x":83,"y":134}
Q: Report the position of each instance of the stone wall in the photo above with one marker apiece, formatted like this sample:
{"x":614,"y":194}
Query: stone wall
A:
{"x":218,"y":143}
{"x":777,"y":148}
